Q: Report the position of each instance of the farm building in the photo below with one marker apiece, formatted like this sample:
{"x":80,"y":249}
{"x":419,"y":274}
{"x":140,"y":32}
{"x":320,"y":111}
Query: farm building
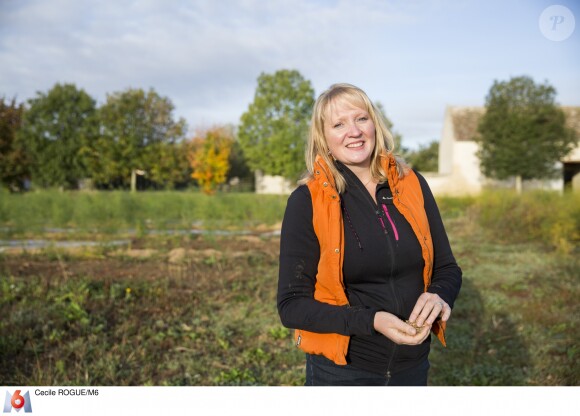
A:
{"x":459,"y":171}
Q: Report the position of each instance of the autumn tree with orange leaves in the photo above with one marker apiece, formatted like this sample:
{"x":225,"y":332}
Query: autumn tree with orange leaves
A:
{"x":208,"y":156}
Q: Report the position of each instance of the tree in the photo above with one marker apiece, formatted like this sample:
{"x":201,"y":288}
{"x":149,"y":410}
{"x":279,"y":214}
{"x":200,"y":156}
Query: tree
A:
{"x":522,"y":133}
{"x":426,"y":158}
{"x":137,"y":132}
{"x":239,"y":165}
{"x":209,"y":155}
{"x":53,"y":131}
{"x":172,"y":166}
{"x":13,"y":160}
{"x":273,"y":130}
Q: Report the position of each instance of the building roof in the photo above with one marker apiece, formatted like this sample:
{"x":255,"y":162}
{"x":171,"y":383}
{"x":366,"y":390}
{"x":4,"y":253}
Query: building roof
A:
{"x":466,"y":119}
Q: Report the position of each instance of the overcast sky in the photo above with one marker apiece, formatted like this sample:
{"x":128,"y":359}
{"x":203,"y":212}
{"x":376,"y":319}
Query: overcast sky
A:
{"x":416,"y":57}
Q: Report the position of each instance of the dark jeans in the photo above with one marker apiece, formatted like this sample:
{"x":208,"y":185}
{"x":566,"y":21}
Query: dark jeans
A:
{"x":320,"y":371}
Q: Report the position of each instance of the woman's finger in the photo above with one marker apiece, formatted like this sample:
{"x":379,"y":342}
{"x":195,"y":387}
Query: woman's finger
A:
{"x":419,"y":305}
{"x":446,"y":313}
{"x":430,"y":312}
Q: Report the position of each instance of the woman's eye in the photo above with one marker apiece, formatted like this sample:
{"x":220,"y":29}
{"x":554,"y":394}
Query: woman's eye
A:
{"x":337,"y":125}
{"x":363,"y":119}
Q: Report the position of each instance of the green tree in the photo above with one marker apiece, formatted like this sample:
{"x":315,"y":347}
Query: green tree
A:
{"x":239,"y":165}
{"x":13,"y":160}
{"x":426,"y":158}
{"x":137,"y":132}
{"x":273,"y":130}
{"x":171,"y":167}
{"x":523,"y":133}
{"x":53,"y":131}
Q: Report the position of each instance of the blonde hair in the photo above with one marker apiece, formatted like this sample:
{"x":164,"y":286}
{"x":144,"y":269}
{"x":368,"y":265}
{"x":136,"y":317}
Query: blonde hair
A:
{"x":317,"y":145}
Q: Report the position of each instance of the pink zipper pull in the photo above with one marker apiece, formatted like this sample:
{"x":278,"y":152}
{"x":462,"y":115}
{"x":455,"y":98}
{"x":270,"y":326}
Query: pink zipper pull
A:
{"x":386,"y":211}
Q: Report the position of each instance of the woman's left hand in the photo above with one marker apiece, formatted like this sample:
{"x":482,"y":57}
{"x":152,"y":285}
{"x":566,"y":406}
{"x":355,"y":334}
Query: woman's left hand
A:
{"x":429,"y":306}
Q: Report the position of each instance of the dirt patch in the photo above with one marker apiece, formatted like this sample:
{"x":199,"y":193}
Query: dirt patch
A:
{"x":200,"y":258}
{"x":136,"y":253}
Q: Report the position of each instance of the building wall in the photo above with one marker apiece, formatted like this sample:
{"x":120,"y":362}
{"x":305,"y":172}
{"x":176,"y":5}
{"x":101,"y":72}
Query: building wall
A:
{"x":574,"y":155}
{"x":459,"y":170}
{"x":466,"y":167}
{"x":446,"y":145}
{"x":268,"y":184}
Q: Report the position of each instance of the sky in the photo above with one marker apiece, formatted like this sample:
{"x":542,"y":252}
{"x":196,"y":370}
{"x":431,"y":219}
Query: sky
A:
{"x":415,"y":57}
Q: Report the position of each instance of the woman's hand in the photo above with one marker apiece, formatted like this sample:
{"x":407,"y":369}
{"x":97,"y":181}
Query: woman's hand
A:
{"x":428,"y":308}
{"x":398,"y":331}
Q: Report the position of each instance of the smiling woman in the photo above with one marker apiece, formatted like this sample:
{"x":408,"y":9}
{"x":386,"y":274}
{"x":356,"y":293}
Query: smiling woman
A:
{"x":366,"y":270}
{"x":350,"y":133}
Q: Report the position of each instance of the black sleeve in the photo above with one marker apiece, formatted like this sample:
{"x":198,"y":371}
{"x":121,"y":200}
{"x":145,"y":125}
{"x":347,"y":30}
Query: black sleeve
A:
{"x":447,"y":276}
{"x":299,"y":255}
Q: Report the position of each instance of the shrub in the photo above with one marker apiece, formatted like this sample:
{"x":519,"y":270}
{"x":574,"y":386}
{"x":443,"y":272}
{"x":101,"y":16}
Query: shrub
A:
{"x":540,"y":216}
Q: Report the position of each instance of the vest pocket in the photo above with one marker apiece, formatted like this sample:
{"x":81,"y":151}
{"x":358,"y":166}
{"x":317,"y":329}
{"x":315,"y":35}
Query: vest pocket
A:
{"x":332,"y":346}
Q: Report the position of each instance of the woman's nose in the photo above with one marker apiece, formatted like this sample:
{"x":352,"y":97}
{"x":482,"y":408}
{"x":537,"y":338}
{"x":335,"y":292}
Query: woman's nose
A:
{"x":354,"y":131}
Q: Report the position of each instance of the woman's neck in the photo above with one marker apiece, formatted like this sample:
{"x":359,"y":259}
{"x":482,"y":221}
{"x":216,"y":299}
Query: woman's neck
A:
{"x":363,"y":173}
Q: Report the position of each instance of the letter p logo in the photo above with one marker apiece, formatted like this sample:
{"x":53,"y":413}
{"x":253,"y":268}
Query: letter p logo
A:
{"x":558,"y":20}
{"x":557,"y":23}
{"x":17,"y":402}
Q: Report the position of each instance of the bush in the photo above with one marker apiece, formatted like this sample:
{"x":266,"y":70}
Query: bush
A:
{"x":540,"y":216}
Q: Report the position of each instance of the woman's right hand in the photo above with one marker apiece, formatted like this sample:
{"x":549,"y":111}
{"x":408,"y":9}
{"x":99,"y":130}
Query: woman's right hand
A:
{"x":398,"y":331}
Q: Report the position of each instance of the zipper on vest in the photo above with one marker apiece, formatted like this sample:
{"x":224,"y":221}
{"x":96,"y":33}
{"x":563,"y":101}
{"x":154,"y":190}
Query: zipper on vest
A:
{"x":395,"y":298}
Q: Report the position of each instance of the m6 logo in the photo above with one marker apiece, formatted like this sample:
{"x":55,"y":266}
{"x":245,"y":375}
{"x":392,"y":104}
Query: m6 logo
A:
{"x":17,"y":402}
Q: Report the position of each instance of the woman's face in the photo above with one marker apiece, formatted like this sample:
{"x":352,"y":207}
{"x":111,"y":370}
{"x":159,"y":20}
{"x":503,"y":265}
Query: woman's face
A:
{"x":350,"y":133}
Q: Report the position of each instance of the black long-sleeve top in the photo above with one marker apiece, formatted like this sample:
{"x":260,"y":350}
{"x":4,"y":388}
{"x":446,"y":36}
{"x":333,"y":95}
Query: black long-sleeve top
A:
{"x":382,"y":270}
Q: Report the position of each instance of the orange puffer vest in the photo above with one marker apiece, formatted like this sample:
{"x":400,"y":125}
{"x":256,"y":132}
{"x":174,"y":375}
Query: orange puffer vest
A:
{"x":328,"y":226}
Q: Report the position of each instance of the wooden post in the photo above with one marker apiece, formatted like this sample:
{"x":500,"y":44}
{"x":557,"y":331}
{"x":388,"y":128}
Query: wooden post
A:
{"x":133,"y":180}
{"x":519,"y":184}
{"x":134,"y":174}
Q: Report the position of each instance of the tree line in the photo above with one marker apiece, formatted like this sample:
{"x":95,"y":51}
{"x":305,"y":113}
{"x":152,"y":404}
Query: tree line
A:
{"x":61,"y":138}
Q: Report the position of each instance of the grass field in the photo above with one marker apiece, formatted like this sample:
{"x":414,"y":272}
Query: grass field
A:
{"x":200,"y":310}
{"x":118,"y":211}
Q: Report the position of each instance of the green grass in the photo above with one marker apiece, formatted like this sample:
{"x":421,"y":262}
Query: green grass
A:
{"x":514,"y":321}
{"x":101,"y":316}
{"x":117,"y":210}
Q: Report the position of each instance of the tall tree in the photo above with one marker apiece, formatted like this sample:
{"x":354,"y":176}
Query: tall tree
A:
{"x":426,"y":158}
{"x":209,"y":157}
{"x":273,"y":130}
{"x":238,"y":164}
{"x":53,"y":131}
{"x":13,"y":160}
{"x":522,"y":133}
{"x":172,"y":166}
{"x":136,"y":128}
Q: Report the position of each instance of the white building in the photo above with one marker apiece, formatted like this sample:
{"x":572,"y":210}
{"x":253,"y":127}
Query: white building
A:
{"x":269,"y":184}
{"x":459,"y":169}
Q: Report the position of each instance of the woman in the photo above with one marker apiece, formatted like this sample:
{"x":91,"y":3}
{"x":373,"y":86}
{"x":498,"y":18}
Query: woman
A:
{"x":366,"y":270}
